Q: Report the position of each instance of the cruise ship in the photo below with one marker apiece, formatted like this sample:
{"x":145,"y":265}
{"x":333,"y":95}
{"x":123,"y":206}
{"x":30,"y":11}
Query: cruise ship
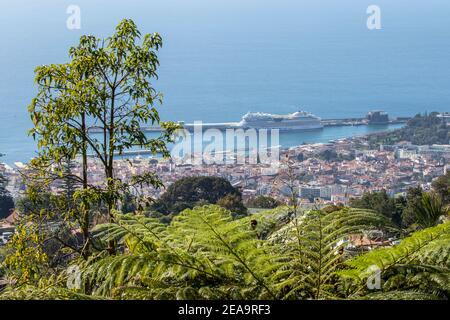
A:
{"x":300,"y":120}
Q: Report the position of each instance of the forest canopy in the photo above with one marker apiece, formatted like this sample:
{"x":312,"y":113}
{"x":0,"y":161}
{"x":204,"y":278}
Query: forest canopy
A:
{"x":426,"y":129}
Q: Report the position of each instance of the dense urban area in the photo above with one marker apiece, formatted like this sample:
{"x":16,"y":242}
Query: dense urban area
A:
{"x":334,"y":172}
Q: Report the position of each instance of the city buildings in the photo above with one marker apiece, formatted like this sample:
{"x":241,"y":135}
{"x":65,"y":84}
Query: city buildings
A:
{"x":352,"y":170}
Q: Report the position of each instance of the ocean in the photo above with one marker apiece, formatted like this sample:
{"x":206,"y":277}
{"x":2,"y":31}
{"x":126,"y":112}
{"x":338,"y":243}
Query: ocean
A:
{"x":223,"y":58}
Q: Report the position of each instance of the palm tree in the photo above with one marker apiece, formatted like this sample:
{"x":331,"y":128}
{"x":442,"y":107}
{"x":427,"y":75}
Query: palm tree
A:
{"x":430,"y":210}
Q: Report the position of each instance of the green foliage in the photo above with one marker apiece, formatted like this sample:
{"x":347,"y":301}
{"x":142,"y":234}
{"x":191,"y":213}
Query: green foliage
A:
{"x":97,"y":104}
{"x":431,"y":210}
{"x":40,"y":201}
{"x":3,"y":253}
{"x":332,"y":155}
{"x":51,"y":288}
{"x":417,"y":209}
{"x":264,"y":202}
{"x":380,"y":202}
{"x":6,"y":205}
{"x":25,"y":258}
{"x":399,"y":295}
{"x":161,"y":217}
{"x":266,"y":222}
{"x":47,"y":293}
{"x":419,"y":267}
{"x":106,"y":86}
{"x":56,"y":217}
{"x":333,"y":207}
{"x":128,"y":203}
{"x":6,"y":200}
{"x":233,"y":203}
{"x":420,"y":130}
{"x":191,"y":191}
{"x":442,"y":187}
{"x":311,"y":250}
{"x":413,"y":202}
{"x":205,"y":254}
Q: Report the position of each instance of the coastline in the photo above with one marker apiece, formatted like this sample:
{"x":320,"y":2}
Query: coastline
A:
{"x":22,"y":154}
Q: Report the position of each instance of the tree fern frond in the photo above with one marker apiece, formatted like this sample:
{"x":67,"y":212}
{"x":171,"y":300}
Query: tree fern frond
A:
{"x":400,"y":295}
{"x":416,"y":257}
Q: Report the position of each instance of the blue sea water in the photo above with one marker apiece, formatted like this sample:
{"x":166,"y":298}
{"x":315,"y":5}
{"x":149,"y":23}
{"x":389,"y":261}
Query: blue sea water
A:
{"x":223,"y":58}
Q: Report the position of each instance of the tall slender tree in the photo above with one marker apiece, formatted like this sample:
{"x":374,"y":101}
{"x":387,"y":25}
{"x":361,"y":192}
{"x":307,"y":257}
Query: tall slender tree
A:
{"x":97,"y":103}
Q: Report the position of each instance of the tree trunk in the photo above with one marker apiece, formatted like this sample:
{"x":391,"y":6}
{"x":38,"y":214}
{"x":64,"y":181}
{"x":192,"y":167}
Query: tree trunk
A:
{"x":85,"y":214}
{"x":110,"y":170}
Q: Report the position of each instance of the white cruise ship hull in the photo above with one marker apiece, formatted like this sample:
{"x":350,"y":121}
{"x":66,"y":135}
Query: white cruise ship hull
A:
{"x":286,"y":128}
{"x":297,"y":121}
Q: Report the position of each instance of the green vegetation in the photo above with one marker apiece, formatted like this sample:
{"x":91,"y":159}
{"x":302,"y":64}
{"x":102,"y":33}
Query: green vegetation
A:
{"x":410,"y":205}
{"x":197,"y":242}
{"x":424,"y":129}
{"x":382,"y":203}
{"x":264,"y":202}
{"x":25,"y":256}
{"x":6,"y":204}
{"x":233,"y":203}
{"x":6,"y":200}
{"x":417,"y":268}
{"x":188,"y":192}
{"x":106,"y":86}
{"x":332,"y":155}
{"x":418,"y":209}
{"x":430,"y":210}
{"x":442,"y":187}
{"x":206,"y":254}
{"x":2,"y":258}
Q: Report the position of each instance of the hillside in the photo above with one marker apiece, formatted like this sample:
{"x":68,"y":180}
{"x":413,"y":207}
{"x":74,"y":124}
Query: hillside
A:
{"x":420,"y":130}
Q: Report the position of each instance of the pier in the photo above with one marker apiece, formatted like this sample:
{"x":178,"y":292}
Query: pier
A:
{"x":373,"y":118}
{"x":191,"y":126}
{"x":325,"y":122}
{"x":359,"y":122}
